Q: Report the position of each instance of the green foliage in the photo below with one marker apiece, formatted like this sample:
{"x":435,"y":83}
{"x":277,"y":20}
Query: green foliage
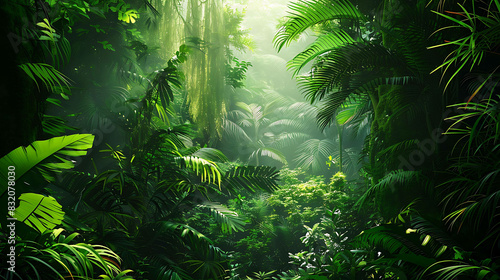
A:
{"x":56,"y":254}
{"x":251,"y":126}
{"x":57,"y":46}
{"x":251,"y":178}
{"x":46,"y":156}
{"x":236,"y":75}
{"x":309,"y":13}
{"x":173,"y":208}
{"x":312,"y":151}
{"x":261,"y":275}
{"x":53,"y":80}
{"x":482,"y":29}
{"x":39,"y":212}
{"x":229,"y":220}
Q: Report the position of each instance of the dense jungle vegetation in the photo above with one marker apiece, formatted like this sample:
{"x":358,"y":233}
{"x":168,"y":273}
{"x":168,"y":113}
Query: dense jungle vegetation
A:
{"x":238,"y":139}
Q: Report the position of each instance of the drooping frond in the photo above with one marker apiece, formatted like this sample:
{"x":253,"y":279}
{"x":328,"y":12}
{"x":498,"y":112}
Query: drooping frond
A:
{"x":336,"y":70}
{"x":305,"y":14}
{"x":313,"y":153}
{"x":188,"y":233}
{"x":394,"y":177}
{"x":235,"y":131}
{"x":356,"y":87}
{"x":210,"y":154}
{"x":398,"y":147}
{"x":269,"y":152}
{"x":286,"y":139}
{"x":288,"y":124}
{"x":392,"y":238}
{"x":252,"y":178}
{"x":329,"y":106}
{"x":51,"y":78}
{"x":54,"y":125}
{"x":207,"y":170}
{"x":322,"y":45}
{"x":227,"y":219}
{"x":454,"y":269}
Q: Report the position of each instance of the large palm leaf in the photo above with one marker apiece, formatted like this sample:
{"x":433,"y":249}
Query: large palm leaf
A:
{"x":252,"y":178}
{"x":306,"y":14}
{"x":38,"y":211}
{"x":228,"y":220}
{"x":47,"y":156}
{"x":313,"y":153}
{"x":323,"y":44}
{"x":52,"y":79}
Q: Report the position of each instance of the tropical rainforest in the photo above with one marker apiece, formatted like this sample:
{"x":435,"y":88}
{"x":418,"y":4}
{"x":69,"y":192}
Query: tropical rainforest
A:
{"x":239,"y":139}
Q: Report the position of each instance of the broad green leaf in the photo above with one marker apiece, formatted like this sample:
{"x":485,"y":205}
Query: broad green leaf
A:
{"x":24,"y":159}
{"x":39,"y":212}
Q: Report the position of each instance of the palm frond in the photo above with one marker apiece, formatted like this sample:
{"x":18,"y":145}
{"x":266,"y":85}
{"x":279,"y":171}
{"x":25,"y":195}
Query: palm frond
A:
{"x":210,"y":154}
{"x":207,"y":170}
{"x":392,"y":238}
{"x":51,"y":78}
{"x":451,"y":269}
{"x":392,"y":178}
{"x":251,"y":178}
{"x":228,"y":220}
{"x":323,"y":44}
{"x":305,"y":14}
{"x":313,"y":153}
{"x":231,"y":129}
{"x":269,"y":152}
{"x":54,"y":125}
{"x":287,"y":139}
{"x":336,"y":70}
{"x":398,"y":147}
{"x":47,"y":156}
{"x":55,"y":251}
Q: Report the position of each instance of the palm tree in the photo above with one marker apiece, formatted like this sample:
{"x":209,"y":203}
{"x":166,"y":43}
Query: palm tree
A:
{"x":257,"y":134}
{"x":387,"y":70}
